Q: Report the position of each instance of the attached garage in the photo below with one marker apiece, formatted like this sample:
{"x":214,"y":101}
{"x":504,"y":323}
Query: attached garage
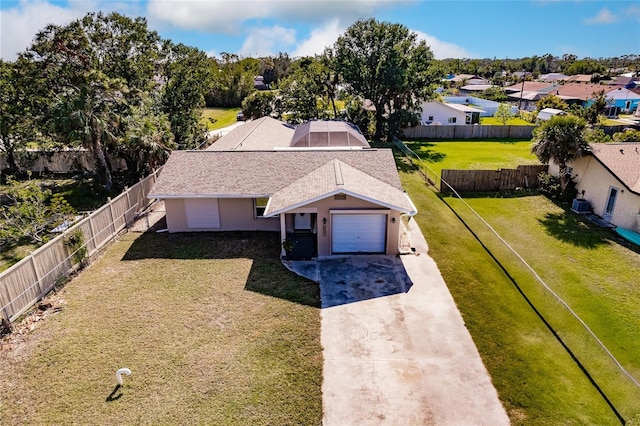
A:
{"x":359,"y":233}
{"x":202,"y":213}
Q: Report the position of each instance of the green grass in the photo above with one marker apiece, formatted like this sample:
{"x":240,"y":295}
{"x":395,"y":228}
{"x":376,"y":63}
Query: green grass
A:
{"x":213,"y":327}
{"x":470,"y":155}
{"x":516,"y":121}
{"x":537,"y":381}
{"x":222,"y":117}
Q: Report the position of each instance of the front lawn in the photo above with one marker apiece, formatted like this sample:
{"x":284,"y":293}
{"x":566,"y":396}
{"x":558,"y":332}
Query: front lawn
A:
{"x":214,"y":329}
{"x":537,"y":380}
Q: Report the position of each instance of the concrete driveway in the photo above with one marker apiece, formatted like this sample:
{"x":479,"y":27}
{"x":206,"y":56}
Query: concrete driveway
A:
{"x":396,"y":350}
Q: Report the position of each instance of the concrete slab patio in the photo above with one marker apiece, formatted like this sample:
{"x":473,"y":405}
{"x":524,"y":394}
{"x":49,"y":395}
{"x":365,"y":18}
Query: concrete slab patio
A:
{"x":396,"y":350}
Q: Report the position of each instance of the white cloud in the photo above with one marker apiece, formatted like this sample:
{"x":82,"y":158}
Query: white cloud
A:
{"x":225,"y":16}
{"x":442,"y":49}
{"x":21,"y":23}
{"x":633,"y":12}
{"x":267,"y":41}
{"x":603,"y":17}
{"x":319,"y":38}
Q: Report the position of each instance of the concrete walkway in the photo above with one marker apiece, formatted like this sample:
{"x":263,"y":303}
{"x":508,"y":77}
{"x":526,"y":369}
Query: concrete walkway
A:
{"x":396,"y":350}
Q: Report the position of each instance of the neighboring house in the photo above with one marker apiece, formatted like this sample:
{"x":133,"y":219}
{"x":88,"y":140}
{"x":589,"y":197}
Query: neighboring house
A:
{"x":320,"y":185}
{"x":609,"y":178}
{"x":625,"y":100}
{"x":579,"y":78}
{"x":448,"y":114}
{"x":552,"y":77}
{"x":489,"y":108}
{"x":546,"y":113}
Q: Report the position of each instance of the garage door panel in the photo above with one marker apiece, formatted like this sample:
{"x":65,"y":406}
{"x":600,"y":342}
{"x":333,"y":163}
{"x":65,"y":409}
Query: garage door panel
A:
{"x":354,"y":233}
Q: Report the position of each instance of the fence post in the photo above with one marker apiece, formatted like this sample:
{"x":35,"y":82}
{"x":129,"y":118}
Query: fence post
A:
{"x":35,"y":273}
{"x":93,"y":235}
{"x":113,"y":221}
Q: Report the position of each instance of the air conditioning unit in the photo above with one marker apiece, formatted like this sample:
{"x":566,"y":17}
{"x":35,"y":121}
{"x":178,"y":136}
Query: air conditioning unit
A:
{"x":580,"y":206}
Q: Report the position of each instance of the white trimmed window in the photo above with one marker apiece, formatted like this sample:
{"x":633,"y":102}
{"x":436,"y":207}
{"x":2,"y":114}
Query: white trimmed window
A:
{"x":260,"y":205}
{"x":452,"y":119}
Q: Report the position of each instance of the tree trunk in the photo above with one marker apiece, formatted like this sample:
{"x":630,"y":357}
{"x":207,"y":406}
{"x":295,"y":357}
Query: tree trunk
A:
{"x":379,"y":122}
{"x":102,"y":166}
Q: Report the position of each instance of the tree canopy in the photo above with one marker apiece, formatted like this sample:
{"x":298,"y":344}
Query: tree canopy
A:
{"x":386,"y":65}
{"x":106,"y":83}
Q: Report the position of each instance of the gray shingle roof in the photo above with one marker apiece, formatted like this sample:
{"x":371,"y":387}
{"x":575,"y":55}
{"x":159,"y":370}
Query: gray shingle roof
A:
{"x":622,"y":159}
{"x":259,"y":173}
{"x":256,"y":135}
{"x":335,"y":177}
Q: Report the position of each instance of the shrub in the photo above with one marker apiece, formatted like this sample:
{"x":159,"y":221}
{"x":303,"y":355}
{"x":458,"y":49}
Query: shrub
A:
{"x":628,"y":135}
{"x":550,"y":186}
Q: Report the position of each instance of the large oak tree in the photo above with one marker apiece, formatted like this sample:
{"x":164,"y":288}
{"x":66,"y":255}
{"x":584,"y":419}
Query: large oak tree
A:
{"x":385,"y":64}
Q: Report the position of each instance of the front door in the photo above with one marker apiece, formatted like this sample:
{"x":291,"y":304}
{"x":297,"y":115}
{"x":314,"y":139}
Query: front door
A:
{"x":611,"y":202}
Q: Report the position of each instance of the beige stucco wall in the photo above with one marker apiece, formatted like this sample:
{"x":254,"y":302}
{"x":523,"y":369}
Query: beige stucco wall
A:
{"x":236,"y":214}
{"x":592,"y":177}
{"x":323,"y":207}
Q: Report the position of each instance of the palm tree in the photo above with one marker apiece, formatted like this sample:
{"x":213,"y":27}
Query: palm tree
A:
{"x":90,"y":114}
{"x":561,"y":140}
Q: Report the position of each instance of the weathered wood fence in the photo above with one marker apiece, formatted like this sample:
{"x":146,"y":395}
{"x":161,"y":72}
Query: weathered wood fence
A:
{"x":26,"y":282}
{"x":491,"y":180}
{"x":469,"y":132}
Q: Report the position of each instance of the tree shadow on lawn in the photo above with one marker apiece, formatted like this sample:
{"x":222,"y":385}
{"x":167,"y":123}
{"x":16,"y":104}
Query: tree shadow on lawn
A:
{"x":578,"y":230}
{"x":267,"y":276}
{"x":423,"y":149}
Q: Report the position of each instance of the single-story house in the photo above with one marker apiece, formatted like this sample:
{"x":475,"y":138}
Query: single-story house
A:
{"x":546,"y":113}
{"x":449,"y":114}
{"x":625,"y":100}
{"x":608,"y":177}
{"x":320,"y":185}
{"x":489,"y":108}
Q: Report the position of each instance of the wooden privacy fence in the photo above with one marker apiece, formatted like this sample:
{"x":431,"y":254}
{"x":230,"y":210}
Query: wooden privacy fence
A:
{"x":491,"y":180}
{"x":469,"y":132}
{"x":26,"y":282}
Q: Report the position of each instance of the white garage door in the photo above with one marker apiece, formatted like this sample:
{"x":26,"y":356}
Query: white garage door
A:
{"x":359,"y":233}
{"x":202,"y":213}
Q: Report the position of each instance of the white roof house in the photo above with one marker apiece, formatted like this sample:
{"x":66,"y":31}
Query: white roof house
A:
{"x":447,"y":114}
{"x":546,"y":113}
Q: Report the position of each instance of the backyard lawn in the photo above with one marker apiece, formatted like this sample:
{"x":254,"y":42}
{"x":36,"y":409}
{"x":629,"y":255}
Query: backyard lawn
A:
{"x":537,"y":380}
{"x":222,"y":117}
{"x":214,"y":329}
{"x":472,"y":155}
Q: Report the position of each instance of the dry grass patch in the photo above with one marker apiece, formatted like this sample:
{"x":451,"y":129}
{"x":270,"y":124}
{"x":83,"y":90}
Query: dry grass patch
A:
{"x":213,"y":327}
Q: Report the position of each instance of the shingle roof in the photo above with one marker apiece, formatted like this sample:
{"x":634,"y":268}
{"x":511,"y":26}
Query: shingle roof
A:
{"x":529,"y":86}
{"x":259,"y":173}
{"x":335,"y":177}
{"x":622,"y":160}
{"x":256,"y":135}
{"x":580,"y":91}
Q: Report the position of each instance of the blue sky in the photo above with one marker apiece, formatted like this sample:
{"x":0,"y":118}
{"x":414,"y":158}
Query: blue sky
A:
{"x":456,"y":29}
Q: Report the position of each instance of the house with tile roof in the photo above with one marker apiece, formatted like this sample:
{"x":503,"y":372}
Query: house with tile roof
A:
{"x":320,"y":185}
{"x":608,"y":177}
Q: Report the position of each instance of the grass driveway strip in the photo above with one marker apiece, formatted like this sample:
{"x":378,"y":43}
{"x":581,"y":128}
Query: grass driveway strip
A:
{"x":214,"y":329}
{"x":536,"y":380}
